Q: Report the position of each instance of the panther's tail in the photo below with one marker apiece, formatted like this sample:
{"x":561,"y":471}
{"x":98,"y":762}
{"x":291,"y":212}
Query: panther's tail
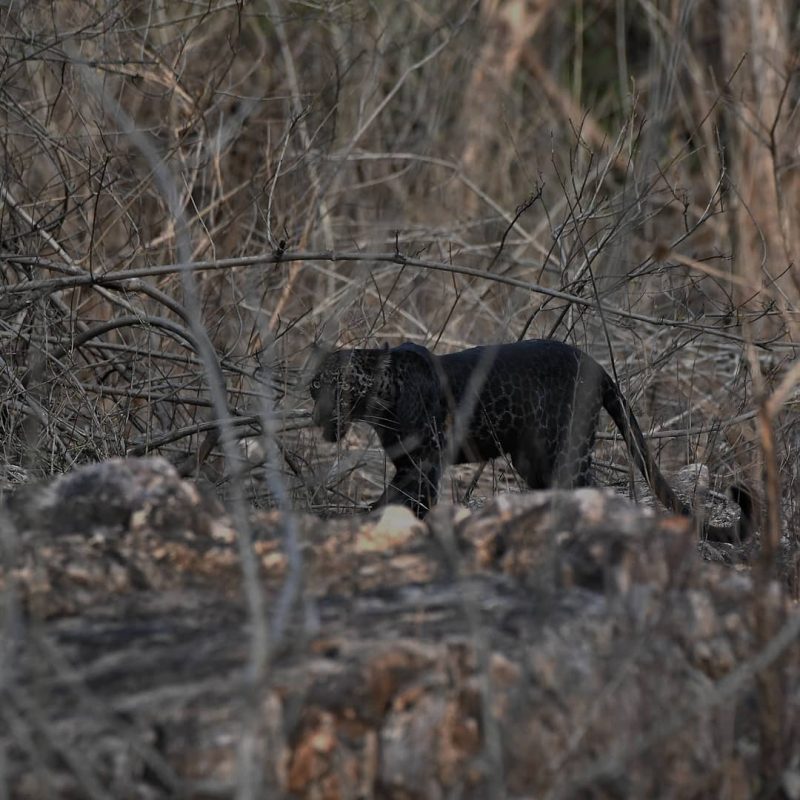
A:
{"x":623,"y":416}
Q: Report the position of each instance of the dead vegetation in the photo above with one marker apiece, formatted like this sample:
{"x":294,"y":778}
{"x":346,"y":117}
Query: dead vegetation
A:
{"x":193,"y":195}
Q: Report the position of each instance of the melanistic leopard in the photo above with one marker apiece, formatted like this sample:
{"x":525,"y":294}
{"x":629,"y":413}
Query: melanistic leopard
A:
{"x":536,"y":402}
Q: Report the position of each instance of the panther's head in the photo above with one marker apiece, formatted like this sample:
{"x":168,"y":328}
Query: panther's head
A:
{"x":341,"y":388}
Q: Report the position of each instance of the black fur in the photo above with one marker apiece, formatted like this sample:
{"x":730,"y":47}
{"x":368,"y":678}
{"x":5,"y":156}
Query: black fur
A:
{"x":537,"y":402}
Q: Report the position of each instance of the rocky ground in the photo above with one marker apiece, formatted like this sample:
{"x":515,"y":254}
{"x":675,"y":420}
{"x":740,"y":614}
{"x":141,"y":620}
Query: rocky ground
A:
{"x":552,"y":645}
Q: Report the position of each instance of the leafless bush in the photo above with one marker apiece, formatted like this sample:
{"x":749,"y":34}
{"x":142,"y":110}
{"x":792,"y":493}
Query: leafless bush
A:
{"x":293,"y":131}
{"x":625,"y":179}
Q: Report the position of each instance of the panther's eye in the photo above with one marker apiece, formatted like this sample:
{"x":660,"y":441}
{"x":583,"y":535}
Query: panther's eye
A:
{"x":316,"y":384}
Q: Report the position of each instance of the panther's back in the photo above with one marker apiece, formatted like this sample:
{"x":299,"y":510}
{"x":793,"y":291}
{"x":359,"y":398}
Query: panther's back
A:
{"x":527,"y":395}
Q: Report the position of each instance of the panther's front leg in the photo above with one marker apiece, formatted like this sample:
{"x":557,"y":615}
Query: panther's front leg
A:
{"x":415,"y":484}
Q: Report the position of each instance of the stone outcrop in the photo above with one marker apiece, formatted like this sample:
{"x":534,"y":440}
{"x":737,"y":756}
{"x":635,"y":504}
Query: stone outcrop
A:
{"x":555,"y":644}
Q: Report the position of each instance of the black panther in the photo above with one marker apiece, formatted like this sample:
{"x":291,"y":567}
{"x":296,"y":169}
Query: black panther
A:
{"x":537,"y":402}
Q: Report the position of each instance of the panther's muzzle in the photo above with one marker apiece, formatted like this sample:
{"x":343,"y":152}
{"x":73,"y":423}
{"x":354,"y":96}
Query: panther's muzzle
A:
{"x":333,"y":426}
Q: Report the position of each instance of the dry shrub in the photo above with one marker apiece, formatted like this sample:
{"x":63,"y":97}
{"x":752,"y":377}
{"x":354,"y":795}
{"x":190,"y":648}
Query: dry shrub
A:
{"x":607,"y":154}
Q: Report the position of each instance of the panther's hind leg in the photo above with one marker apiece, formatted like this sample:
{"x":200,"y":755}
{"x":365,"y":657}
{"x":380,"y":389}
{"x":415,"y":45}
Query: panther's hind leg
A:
{"x":562,"y":462}
{"x":574,"y":468}
{"x":534,"y":462}
{"x":574,"y":444}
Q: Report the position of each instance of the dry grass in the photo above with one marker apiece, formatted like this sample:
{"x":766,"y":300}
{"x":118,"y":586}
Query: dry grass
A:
{"x":526,"y":149}
{"x":468,"y":161}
